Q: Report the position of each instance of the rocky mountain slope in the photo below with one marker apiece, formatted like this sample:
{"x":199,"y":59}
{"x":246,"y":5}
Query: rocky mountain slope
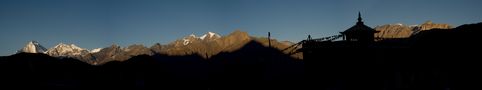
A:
{"x":403,"y":31}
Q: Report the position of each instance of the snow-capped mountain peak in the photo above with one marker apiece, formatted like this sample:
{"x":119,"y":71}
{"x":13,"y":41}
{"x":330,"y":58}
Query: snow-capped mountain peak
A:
{"x":73,"y":46}
{"x":414,"y":26}
{"x":62,"y":49}
{"x":398,"y":24}
{"x":33,"y":47}
{"x":189,"y":39}
{"x":203,"y":36}
{"x":95,"y":50}
{"x":192,"y":35}
{"x":211,"y":35}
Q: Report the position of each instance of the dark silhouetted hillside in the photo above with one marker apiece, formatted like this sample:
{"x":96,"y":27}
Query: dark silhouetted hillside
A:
{"x":252,"y":66}
{"x":437,"y":59}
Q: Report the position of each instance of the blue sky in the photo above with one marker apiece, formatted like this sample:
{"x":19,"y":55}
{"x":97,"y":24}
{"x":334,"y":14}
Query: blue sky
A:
{"x":101,"y":23}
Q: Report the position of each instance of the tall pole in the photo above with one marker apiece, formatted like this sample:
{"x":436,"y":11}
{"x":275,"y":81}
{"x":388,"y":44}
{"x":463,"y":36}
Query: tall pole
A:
{"x":270,"y":54}
{"x":269,"y":39}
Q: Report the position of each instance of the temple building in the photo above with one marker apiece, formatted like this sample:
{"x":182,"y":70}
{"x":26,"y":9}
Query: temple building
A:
{"x":359,"y":33}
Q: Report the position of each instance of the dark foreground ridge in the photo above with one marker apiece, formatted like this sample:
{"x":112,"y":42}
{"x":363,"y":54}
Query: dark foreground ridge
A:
{"x":437,"y":59}
{"x":252,"y":66}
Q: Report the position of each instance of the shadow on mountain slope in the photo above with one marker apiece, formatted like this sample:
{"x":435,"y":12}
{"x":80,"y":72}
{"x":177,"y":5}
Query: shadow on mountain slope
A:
{"x":454,"y":52}
{"x":465,"y":36}
{"x":257,"y":65}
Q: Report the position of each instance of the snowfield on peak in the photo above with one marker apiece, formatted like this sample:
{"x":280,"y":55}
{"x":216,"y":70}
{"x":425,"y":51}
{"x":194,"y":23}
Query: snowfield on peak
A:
{"x":209,"y":35}
{"x":33,"y":47}
{"x":62,"y":49}
{"x":95,"y":50}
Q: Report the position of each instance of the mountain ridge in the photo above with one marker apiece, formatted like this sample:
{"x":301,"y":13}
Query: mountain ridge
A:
{"x":206,"y":46}
{"x":400,"y":30}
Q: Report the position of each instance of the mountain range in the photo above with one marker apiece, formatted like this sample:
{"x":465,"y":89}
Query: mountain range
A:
{"x":400,"y":30}
{"x":205,"y":45}
{"x":433,"y":59}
